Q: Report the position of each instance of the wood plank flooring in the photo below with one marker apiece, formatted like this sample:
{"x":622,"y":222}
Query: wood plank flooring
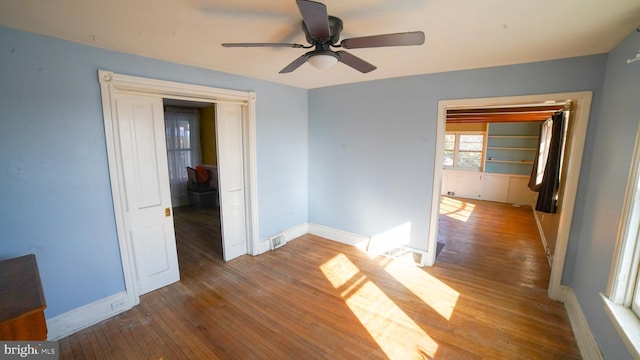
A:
{"x":318,"y":299}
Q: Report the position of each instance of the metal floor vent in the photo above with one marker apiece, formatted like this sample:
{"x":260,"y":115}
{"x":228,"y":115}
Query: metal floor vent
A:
{"x":407,"y":254}
{"x":277,"y":241}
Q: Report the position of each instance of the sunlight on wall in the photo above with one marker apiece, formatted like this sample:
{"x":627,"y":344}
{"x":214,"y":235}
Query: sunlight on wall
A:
{"x":392,"y":329}
{"x":391,"y":239}
{"x":456,"y":209}
{"x":432,"y":291}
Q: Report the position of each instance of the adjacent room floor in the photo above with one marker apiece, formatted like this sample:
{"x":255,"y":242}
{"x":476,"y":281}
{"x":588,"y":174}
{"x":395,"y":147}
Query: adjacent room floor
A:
{"x":313,"y":298}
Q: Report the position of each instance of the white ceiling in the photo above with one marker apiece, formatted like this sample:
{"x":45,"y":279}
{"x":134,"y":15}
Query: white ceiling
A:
{"x":461,"y":34}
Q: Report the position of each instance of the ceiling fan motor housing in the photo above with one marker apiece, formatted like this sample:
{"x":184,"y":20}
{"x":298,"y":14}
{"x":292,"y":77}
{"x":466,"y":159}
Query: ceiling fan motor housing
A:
{"x":335,"y":28}
{"x":322,"y":32}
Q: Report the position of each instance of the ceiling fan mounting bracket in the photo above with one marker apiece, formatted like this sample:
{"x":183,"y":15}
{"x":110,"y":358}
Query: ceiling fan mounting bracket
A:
{"x":335,"y":28}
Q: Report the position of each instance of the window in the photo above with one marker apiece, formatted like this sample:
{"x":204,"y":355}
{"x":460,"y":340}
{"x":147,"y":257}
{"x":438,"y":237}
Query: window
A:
{"x":543,"y":150}
{"x":463,"y":149}
{"x":622,"y":301}
{"x":183,"y":140}
{"x":182,"y":130}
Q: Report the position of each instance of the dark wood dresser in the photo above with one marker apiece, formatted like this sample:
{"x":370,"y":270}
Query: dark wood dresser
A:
{"x":22,"y":301}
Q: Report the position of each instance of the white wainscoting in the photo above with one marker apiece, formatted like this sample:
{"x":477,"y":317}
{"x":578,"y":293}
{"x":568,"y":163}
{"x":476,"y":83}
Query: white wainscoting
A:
{"x":507,"y":188}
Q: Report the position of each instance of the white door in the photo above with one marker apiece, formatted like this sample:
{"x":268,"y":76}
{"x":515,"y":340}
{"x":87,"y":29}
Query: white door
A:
{"x":148,"y":214}
{"x":231,"y":180}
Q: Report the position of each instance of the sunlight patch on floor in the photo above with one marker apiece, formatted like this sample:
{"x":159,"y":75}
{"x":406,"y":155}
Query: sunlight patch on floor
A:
{"x":456,"y":209}
{"x":438,"y":295}
{"x":392,"y":329}
{"x":339,"y":270}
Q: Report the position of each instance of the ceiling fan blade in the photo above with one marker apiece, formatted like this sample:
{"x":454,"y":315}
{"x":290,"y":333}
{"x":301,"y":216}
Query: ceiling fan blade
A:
{"x":263,"y":45}
{"x":355,"y":62}
{"x":315,"y":18}
{"x":295,"y":64}
{"x":397,"y":39}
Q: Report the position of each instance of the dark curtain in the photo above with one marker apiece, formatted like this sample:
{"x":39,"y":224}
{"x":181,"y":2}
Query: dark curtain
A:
{"x":551,"y":179}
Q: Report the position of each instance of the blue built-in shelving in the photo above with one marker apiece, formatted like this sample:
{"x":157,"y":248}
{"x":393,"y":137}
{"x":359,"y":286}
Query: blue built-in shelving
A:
{"x":511,"y":147}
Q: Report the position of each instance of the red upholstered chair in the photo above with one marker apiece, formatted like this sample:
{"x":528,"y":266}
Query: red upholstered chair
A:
{"x":201,"y":194}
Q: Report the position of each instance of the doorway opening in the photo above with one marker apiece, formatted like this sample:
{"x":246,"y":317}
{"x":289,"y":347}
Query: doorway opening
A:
{"x":193,"y":174}
{"x":136,"y":151}
{"x":574,"y":148}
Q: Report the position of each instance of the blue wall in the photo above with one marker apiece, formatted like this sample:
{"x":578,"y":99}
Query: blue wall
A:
{"x":371,"y":151}
{"x":372,"y":145}
{"x":603,"y":181}
{"x":54,"y":181}
{"x":355,"y":157}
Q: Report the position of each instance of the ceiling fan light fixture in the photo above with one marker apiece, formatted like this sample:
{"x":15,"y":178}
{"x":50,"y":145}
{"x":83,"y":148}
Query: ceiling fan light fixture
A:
{"x":323,"y":61}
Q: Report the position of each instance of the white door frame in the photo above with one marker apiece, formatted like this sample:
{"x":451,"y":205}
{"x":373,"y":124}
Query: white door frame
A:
{"x":575,"y":148}
{"x":111,"y":84}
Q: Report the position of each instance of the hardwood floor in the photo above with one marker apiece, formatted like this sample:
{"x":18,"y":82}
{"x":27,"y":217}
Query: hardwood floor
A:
{"x":197,"y":223}
{"x":318,"y":299}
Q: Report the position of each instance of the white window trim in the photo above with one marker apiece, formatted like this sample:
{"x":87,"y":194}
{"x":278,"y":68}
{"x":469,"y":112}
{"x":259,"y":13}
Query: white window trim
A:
{"x":456,"y":150}
{"x":626,"y":323}
{"x":626,"y":261}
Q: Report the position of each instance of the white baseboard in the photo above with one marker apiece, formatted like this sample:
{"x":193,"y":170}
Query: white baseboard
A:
{"x":87,"y":315}
{"x":263,"y":246}
{"x":359,"y":241}
{"x":295,"y":232}
{"x":586,"y":342}
{"x":560,"y":294}
{"x":289,"y":234}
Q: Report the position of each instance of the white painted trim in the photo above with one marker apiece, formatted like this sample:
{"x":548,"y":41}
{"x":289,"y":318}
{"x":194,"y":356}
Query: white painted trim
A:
{"x":251,"y":175}
{"x":359,"y":241}
{"x":362,"y":242}
{"x":87,"y":315}
{"x":295,"y":232}
{"x":289,"y":234}
{"x":432,"y":242}
{"x":543,"y":238}
{"x":624,"y":265}
{"x":575,"y":150}
{"x":626,"y":323}
{"x":117,"y":188}
{"x":170,"y":89}
{"x":621,"y":288}
{"x":563,"y":293}
{"x":262,"y":247}
{"x":586,"y":342}
{"x":111,"y":84}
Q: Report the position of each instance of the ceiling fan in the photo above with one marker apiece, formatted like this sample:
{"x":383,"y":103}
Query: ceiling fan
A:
{"x":323,"y":32}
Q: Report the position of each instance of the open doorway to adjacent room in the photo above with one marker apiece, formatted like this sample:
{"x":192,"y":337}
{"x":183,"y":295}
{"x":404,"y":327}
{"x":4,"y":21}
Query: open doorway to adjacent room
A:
{"x":136,"y":142}
{"x":495,"y":151}
{"x":190,"y":130}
